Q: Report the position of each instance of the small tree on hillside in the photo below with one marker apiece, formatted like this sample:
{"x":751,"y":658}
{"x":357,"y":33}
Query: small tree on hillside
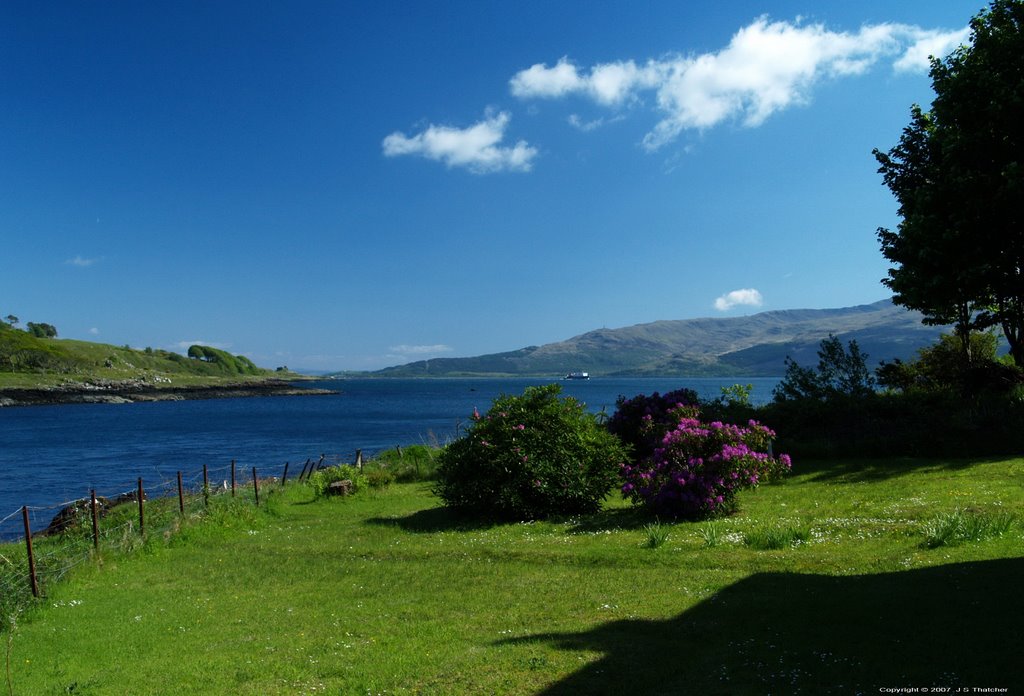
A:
{"x":42,"y":330}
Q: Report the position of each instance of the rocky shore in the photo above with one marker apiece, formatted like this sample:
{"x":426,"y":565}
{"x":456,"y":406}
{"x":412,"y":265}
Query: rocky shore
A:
{"x":135,"y":390}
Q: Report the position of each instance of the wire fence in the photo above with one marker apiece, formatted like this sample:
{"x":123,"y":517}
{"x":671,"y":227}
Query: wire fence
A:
{"x":39,"y":545}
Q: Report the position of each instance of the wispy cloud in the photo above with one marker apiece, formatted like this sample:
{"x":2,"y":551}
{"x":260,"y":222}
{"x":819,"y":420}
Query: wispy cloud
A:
{"x":407,"y":351}
{"x":477,"y":148}
{"x":94,"y":331}
{"x":748,"y":297}
{"x":578,"y":123}
{"x":766,"y":67}
{"x":81,"y":262}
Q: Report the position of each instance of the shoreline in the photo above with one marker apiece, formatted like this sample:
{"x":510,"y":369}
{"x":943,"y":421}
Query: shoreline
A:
{"x":136,"y":391}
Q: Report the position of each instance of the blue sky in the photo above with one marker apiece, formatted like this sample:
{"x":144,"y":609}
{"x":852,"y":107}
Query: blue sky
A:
{"x":330,"y":185}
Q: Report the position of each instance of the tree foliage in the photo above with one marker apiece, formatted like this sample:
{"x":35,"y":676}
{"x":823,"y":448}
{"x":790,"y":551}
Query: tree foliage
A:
{"x":958,"y":252}
{"x":42,"y":330}
{"x":841,"y":372}
{"x":232,"y":364}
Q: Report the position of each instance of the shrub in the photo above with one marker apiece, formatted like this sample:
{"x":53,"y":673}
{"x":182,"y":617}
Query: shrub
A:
{"x":530,"y":456}
{"x":641,"y":422}
{"x":698,"y":468}
{"x":410,"y":463}
{"x":321,"y":479}
{"x":379,"y":478}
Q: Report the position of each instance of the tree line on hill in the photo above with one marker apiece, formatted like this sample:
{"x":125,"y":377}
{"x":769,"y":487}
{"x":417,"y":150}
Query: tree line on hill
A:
{"x":31,"y":350}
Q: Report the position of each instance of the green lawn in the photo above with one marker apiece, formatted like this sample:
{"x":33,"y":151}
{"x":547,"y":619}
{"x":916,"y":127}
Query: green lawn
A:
{"x":385,"y":593}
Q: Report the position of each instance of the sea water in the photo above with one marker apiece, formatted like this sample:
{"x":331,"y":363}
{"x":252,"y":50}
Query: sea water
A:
{"x":53,"y":454}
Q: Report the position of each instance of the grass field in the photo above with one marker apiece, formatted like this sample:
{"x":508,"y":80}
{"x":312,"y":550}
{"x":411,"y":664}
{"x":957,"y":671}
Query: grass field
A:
{"x":850,"y":577}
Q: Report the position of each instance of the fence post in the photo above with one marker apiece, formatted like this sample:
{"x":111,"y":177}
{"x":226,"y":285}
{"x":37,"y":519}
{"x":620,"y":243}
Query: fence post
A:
{"x":256,"y":486}
{"x":95,"y":521}
{"x":142,"y":514}
{"x":321,"y":462}
{"x":304,"y":467}
{"x":206,"y":486}
{"x":359,"y":460}
{"x":31,"y":558}
{"x":181,"y":496}
{"x":284,"y":476}
{"x":232,"y":478}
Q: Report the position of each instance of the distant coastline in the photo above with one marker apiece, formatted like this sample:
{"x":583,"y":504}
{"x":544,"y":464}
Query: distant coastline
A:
{"x":132,"y":391}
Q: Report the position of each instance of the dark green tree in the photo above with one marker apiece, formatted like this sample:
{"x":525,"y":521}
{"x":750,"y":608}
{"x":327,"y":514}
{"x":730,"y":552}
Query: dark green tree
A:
{"x":958,"y":252}
{"x":42,"y":330}
{"x":841,"y":372}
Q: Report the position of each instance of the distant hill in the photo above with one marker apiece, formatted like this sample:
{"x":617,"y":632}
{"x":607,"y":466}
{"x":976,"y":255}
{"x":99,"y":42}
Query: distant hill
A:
{"x":28,"y":360}
{"x":753,"y":346}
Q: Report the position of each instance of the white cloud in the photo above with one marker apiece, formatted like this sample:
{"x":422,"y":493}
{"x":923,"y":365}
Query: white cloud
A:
{"x":927,"y":44}
{"x":407,"y":351}
{"x":81,"y":262}
{"x":94,"y":331}
{"x":477,"y":147}
{"x":767,"y":67}
{"x":748,"y":297}
{"x":541,"y":81}
{"x":577,"y":122}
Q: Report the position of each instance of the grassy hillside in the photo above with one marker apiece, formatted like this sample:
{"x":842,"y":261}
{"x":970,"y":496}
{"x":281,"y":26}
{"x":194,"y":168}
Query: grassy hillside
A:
{"x":29,"y":361}
{"x":740,"y":346}
{"x":387,"y":593}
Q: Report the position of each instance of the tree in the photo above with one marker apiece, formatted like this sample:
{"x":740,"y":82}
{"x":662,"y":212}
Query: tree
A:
{"x":11,"y":320}
{"x":941,"y":367}
{"x":42,"y":330}
{"x":840,"y":372}
{"x":957,"y":176}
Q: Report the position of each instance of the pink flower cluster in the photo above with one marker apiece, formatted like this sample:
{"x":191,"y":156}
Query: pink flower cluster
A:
{"x":698,"y":467}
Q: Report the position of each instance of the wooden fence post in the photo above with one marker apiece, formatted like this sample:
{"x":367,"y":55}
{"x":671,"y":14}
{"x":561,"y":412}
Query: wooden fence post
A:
{"x":206,"y":486}
{"x":359,"y":460}
{"x":284,"y":476}
{"x":95,"y":521}
{"x":31,"y":557}
{"x":232,"y":478}
{"x":256,"y":486}
{"x":304,"y":468}
{"x":142,"y":514}
{"x":181,"y":496}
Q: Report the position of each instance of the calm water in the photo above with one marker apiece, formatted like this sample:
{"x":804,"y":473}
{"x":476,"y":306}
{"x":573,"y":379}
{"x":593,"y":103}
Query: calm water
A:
{"x":52,"y":454}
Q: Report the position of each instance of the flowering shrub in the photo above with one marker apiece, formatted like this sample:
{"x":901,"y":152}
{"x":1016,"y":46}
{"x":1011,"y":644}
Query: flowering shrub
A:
{"x":641,"y":422}
{"x":530,"y":456}
{"x":698,"y":467}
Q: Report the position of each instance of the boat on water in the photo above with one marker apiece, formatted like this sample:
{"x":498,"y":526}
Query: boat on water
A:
{"x":577,"y":375}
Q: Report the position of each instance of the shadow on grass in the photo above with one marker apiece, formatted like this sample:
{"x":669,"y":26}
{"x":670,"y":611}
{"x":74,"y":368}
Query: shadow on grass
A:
{"x":946,"y":626}
{"x":441,"y":519}
{"x":874,"y":470}
{"x":432,"y":520}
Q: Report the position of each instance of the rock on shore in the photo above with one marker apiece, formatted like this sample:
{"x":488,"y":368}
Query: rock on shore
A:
{"x":132,"y":390}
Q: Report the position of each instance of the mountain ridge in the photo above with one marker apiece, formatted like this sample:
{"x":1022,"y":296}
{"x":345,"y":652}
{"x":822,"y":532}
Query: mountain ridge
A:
{"x":751,"y":346}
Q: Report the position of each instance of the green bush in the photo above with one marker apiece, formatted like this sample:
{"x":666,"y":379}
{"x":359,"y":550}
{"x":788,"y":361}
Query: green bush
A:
{"x":379,"y":478}
{"x":321,"y":479}
{"x":411,"y":463}
{"x":530,"y":456}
